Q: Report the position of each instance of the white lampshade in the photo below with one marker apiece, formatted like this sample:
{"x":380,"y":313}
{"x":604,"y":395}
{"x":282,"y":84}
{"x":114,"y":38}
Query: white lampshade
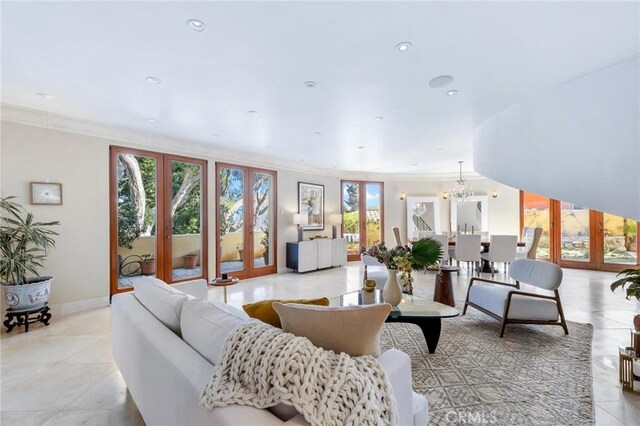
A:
{"x":335,"y":219}
{"x":300,"y":219}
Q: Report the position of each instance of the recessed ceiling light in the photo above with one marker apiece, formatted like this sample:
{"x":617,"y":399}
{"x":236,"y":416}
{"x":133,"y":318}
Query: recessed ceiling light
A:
{"x":451,"y":92}
{"x":252,"y":112}
{"x":153,"y":80}
{"x":360,"y":146}
{"x":151,"y":120}
{"x":404,"y":46}
{"x":310,"y":84}
{"x":379,"y":118}
{"x":414,"y":164}
{"x":302,"y":160}
{"x":317,"y":133}
{"x":45,"y":95}
{"x":440,"y":81}
{"x":196,"y":25}
{"x":439,"y":149}
{"x":215,"y":135}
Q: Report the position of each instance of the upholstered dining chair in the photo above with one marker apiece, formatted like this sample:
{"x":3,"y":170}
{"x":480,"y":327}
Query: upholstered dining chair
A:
{"x":502,"y":248}
{"x":468,"y":249}
{"x":531,"y":238}
{"x":396,"y":235}
{"x":507,"y":303}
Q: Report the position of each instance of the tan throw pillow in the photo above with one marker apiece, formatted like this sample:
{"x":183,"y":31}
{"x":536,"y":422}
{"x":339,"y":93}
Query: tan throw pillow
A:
{"x":263,"y":310}
{"x":354,"y":330}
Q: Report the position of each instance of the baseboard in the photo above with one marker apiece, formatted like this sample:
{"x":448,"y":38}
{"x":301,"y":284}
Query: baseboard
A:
{"x":79,"y":305}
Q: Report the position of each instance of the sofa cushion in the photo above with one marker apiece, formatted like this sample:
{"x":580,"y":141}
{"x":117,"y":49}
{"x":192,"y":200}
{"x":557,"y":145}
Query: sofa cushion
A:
{"x":354,"y":330}
{"x":264,"y":311}
{"x":164,"y":302}
{"x":493,"y":298}
{"x":206,"y":325}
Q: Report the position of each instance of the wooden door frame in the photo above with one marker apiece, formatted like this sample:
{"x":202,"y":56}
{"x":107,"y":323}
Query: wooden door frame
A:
{"x":362,"y":211}
{"x":168,"y":227}
{"x":248,"y":271}
{"x":114,"y":150}
{"x":596,"y":240}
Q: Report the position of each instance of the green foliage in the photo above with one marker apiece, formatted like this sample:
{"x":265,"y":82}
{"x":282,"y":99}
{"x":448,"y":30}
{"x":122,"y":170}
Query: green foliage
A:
{"x":352,"y":202}
{"x":632,"y":278}
{"x":128,"y":228}
{"x":425,"y":252}
{"x":351,"y":222}
{"x":24,"y":243}
{"x":264,"y":241}
{"x":186,"y":219}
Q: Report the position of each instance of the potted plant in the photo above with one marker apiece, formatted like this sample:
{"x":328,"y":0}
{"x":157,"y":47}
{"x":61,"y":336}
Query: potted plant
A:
{"x":147,"y":264}
{"x":190,"y":260}
{"x":264,"y":241}
{"x":240,"y":251}
{"x":25,"y":245}
{"x":632,"y":278}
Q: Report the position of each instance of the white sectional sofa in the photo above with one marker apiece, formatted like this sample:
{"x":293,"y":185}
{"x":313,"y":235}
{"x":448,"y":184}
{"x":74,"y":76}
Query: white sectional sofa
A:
{"x":165,"y":375}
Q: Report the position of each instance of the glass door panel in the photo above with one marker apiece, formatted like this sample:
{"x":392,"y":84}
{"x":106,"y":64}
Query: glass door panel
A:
{"x":137,"y":243}
{"x":187,"y":239}
{"x":536,"y":213}
{"x":575,"y":233}
{"x":373,"y":195}
{"x":231,"y":220}
{"x":263,"y":246}
{"x":620,"y":240}
{"x":351,"y":218}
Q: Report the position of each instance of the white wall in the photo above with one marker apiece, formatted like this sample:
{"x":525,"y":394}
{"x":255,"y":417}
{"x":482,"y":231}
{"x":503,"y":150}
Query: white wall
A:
{"x":504,"y":211}
{"x":578,"y":142}
{"x":80,"y":261}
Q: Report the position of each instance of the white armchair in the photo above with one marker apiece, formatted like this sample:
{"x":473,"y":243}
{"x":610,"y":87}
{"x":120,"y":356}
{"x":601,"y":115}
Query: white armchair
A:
{"x":508,"y":304}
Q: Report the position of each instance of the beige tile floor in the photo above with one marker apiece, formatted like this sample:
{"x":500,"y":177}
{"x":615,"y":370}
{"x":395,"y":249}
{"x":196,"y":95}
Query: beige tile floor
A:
{"x":64,"y":374}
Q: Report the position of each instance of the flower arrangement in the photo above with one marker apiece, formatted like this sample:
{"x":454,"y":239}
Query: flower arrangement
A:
{"x":418,"y":256}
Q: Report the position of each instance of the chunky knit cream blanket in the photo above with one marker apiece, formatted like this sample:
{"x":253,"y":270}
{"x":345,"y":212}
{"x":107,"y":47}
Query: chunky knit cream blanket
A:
{"x":262,"y":366}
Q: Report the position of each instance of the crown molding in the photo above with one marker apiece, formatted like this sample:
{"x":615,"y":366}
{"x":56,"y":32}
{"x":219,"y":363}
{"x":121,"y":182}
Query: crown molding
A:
{"x":123,"y":135}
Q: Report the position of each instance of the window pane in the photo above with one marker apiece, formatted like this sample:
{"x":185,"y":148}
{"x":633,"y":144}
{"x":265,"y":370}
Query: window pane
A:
{"x":186,"y":212}
{"x":351,"y":216}
{"x":620,"y":240}
{"x":263,"y":223}
{"x":231,"y":208}
{"x":374,"y":213}
{"x":136,"y":206}
{"x":575,"y":232}
{"x":536,"y":215}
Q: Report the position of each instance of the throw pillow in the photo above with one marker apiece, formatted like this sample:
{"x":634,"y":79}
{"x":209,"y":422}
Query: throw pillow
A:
{"x":164,"y":302}
{"x":264,"y":311}
{"x":206,"y":325}
{"x":354,"y":330}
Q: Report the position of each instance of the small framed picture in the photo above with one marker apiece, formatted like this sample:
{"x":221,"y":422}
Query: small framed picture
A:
{"x":311,"y":203}
{"x":46,"y":193}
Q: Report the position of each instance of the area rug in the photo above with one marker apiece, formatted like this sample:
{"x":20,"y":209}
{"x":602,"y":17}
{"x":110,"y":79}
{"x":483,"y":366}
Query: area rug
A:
{"x":535,"y":375}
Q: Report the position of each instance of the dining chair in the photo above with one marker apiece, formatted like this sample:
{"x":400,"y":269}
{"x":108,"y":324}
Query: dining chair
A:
{"x":531,"y":238}
{"x":502,"y":248}
{"x":468,"y":250}
{"x":396,"y":235}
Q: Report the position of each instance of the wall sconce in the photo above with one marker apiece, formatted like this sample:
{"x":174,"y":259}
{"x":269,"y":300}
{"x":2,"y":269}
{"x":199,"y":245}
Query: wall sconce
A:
{"x":445,"y":195}
{"x":494,"y":194}
{"x":403,"y":196}
{"x":300,"y":220}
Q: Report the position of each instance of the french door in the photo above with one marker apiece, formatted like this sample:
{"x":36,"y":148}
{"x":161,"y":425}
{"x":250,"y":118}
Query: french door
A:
{"x":246,"y":237}
{"x":362,"y":215}
{"x":577,"y":237}
{"x":158,"y":211}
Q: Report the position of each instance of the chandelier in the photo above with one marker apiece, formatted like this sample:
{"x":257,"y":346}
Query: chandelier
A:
{"x":459,"y":193}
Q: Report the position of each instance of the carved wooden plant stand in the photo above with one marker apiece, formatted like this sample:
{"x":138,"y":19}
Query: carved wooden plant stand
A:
{"x":26,"y":317}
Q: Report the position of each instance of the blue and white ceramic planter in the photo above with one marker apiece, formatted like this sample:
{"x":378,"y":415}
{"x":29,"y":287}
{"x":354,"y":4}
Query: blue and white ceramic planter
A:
{"x":27,"y":296}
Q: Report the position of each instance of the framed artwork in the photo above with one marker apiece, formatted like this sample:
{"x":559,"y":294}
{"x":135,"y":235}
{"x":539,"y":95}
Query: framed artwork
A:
{"x":423,"y":217}
{"x":472,"y":216}
{"x":46,"y":193}
{"x":311,"y":203}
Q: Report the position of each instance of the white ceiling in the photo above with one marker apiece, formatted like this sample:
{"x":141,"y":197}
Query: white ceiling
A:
{"x":93,"y":57}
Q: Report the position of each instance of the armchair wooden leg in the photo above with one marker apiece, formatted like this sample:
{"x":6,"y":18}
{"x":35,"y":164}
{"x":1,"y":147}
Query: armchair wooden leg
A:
{"x":464,"y":310}
{"x":561,"y":312}
{"x":502,"y":327}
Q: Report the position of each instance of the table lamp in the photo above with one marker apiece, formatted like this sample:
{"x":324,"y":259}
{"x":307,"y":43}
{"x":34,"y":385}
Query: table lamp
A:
{"x":335,"y":220}
{"x":300,"y":220}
